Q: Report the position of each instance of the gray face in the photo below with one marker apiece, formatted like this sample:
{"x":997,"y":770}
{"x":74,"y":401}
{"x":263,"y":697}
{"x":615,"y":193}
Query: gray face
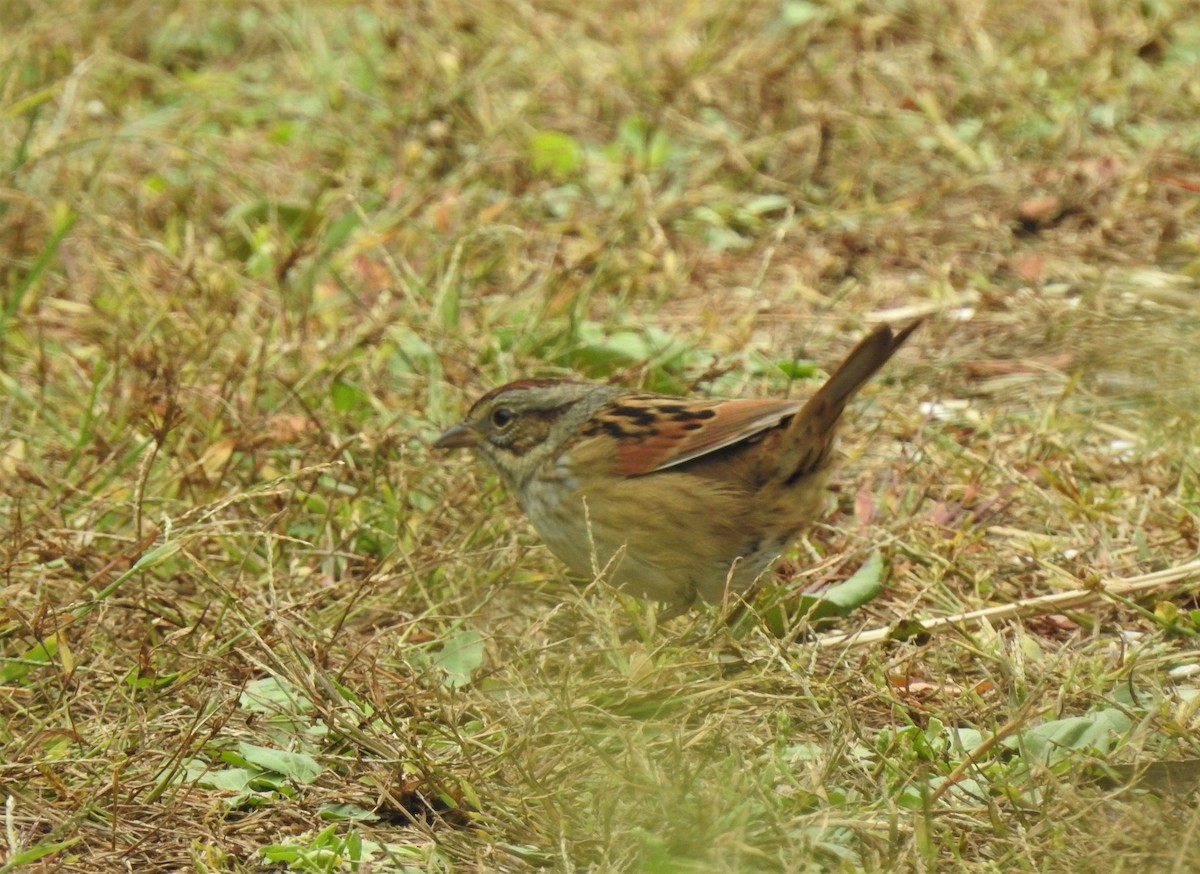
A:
{"x":516,"y":427}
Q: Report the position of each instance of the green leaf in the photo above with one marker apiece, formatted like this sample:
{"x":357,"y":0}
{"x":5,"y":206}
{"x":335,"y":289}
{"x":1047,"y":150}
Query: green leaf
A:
{"x":323,"y":852}
{"x":37,"y":656}
{"x":632,"y":134}
{"x":658,"y":149}
{"x":273,"y":695}
{"x":139,"y":683}
{"x":63,"y":221}
{"x":461,"y":655}
{"x":799,"y":368}
{"x":963,"y":740}
{"x":346,"y":396}
{"x":230,"y":779}
{"x":297,"y":767}
{"x":722,"y":239}
{"x":341,"y":812}
{"x":863,"y":586}
{"x":280,"y":853}
{"x":1053,"y":741}
{"x":412,"y":353}
{"x":353,"y":847}
{"x":561,"y":200}
{"x":907,"y":629}
{"x":156,"y":556}
{"x":32,"y":854}
{"x":554,"y":153}
{"x":292,"y":217}
{"x":599,"y":351}
{"x":765,"y":203}
{"x":796,"y":13}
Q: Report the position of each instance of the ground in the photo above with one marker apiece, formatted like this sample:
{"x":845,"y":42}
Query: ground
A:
{"x":256,"y":256}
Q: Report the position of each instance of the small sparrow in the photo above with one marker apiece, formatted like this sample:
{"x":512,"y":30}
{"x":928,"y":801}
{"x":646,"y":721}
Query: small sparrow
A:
{"x":669,"y":498}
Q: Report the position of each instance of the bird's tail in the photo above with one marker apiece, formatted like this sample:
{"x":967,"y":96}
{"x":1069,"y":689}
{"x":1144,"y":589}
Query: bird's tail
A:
{"x":811,"y":431}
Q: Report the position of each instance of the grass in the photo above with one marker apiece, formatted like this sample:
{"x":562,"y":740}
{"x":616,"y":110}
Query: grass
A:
{"x":256,"y":256}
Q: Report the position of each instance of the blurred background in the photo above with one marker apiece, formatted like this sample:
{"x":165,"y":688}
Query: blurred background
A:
{"x":254,"y":256}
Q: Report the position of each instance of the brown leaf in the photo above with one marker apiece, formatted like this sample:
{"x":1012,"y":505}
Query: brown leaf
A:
{"x":287,"y":428}
{"x":1041,"y":210}
{"x":1180,"y":182}
{"x":1028,"y":267}
{"x":212,"y":463}
{"x":864,"y":507}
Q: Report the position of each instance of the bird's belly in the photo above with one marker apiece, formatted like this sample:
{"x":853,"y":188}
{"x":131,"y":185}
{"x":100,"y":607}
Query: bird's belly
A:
{"x":560,"y":515}
{"x":594,"y":549}
{"x":646,"y":550}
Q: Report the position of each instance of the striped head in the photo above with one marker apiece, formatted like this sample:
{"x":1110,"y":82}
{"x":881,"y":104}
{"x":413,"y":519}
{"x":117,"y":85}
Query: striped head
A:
{"x":519,"y":426}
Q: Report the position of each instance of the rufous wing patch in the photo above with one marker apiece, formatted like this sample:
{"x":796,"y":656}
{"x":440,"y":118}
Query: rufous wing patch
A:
{"x":655,"y":433}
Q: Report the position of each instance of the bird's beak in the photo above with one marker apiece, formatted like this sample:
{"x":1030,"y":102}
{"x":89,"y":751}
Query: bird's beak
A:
{"x":461,"y":436}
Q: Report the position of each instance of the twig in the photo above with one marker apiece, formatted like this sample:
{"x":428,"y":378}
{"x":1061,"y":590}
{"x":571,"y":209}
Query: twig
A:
{"x":1027,"y":607}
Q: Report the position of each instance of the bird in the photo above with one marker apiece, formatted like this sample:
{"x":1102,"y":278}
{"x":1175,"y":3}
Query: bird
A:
{"x":675,"y":499}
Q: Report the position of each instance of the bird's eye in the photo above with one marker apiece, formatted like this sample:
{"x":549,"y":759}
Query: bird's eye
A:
{"x":503,"y":417}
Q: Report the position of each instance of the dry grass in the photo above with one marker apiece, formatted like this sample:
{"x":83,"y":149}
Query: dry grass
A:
{"x":254,"y":256}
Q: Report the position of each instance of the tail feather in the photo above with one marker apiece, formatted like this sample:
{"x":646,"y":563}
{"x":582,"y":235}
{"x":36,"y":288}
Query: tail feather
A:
{"x":810,"y":434}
